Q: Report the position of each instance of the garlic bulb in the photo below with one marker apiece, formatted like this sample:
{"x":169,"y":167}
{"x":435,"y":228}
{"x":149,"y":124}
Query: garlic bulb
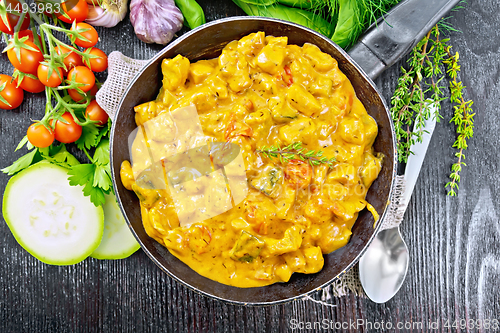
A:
{"x":108,"y":14}
{"x":155,"y":21}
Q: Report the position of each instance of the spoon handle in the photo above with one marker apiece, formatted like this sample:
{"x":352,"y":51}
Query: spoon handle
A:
{"x":416,"y":159}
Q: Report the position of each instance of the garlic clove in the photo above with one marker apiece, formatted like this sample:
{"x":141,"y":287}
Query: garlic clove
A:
{"x":95,"y":12}
{"x":108,"y":14}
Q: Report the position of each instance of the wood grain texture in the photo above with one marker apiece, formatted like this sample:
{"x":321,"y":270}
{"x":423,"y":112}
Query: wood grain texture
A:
{"x":454,"y":242}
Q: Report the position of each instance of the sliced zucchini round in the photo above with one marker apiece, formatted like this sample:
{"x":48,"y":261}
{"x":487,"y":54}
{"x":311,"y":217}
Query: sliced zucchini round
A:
{"x":118,"y":242}
{"x":52,"y":220}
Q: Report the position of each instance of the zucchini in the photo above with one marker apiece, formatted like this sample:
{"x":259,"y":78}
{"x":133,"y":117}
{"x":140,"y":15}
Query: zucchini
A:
{"x":247,"y":248}
{"x":118,"y":242}
{"x":50,"y":219}
{"x":268,"y":181}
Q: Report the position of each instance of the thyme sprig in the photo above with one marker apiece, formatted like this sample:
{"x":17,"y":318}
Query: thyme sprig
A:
{"x":409,"y":106}
{"x":296,"y":151}
{"x":463,"y":118}
{"x":420,"y":90}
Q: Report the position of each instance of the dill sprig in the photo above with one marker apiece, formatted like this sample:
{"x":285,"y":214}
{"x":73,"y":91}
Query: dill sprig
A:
{"x":420,"y":89}
{"x":296,"y":151}
{"x":355,"y":16}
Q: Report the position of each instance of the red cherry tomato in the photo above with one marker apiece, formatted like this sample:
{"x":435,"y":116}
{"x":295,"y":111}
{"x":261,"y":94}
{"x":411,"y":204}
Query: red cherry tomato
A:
{"x":69,"y":132}
{"x":30,"y":85}
{"x":29,"y":33}
{"x":77,"y":10}
{"x":13,"y":17}
{"x":52,"y":80}
{"x":40,"y":136}
{"x":25,"y":33}
{"x":95,"y":112}
{"x":71,"y":59}
{"x":90,"y":35}
{"x":77,"y":97}
{"x":82,"y":74}
{"x":10,"y":93}
{"x":29,"y":59}
{"x":97,"y":64}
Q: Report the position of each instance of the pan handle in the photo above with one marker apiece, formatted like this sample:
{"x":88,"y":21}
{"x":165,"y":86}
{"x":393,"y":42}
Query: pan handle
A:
{"x":397,"y":33}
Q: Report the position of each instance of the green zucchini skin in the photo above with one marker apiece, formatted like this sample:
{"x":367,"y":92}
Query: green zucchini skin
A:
{"x":118,"y":242}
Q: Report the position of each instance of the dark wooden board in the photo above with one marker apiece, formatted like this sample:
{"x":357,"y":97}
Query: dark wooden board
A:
{"x":454,"y":243}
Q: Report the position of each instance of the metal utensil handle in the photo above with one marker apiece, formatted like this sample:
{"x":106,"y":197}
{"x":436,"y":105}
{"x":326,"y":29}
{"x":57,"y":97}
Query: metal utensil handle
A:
{"x":397,"y":33}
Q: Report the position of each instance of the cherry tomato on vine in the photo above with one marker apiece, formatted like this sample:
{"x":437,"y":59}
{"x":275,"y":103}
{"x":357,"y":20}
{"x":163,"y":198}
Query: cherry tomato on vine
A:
{"x":29,"y":59}
{"x":95,"y":112}
{"x":40,"y":136}
{"x":77,"y":10}
{"x":25,"y":33}
{"x":67,"y":133}
{"x":29,"y":33}
{"x":82,"y":74}
{"x":13,"y":17}
{"x":90,"y":34}
{"x":30,"y":85}
{"x":77,"y":97}
{"x":10,"y":93}
{"x":97,"y":64}
{"x":53,"y":80}
{"x":71,"y":59}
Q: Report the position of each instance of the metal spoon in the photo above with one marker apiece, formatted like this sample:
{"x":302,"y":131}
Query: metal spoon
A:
{"x":383,"y":267}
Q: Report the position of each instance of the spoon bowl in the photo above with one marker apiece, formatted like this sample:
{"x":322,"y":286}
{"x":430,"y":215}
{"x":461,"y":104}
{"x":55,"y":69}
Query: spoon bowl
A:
{"x":384,"y":266}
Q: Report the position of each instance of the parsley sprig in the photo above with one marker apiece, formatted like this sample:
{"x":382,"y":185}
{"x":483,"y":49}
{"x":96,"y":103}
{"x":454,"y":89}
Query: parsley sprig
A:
{"x":420,"y":89}
{"x":94,"y":177}
{"x":296,"y":151}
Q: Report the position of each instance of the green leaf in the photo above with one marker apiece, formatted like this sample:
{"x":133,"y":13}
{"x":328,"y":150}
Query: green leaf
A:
{"x":259,"y":2}
{"x":96,"y":195}
{"x":60,"y":156}
{"x":104,"y":131}
{"x":192,"y":12}
{"x":347,"y":25}
{"x":22,"y":143}
{"x":102,"y":177}
{"x":101,"y":155}
{"x":22,"y":163}
{"x":81,"y":174}
{"x":90,"y":133}
{"x":296,"y":15}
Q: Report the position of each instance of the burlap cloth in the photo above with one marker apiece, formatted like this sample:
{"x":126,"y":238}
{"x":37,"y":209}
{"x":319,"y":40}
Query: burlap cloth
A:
{"x":121,"y":71}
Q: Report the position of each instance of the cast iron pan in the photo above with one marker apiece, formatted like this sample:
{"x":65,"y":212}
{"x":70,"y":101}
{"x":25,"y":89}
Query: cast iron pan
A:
{"x":207,"y":42}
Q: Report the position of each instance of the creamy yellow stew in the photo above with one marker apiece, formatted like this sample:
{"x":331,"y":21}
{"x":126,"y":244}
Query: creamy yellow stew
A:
{"x":262,"y":92}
